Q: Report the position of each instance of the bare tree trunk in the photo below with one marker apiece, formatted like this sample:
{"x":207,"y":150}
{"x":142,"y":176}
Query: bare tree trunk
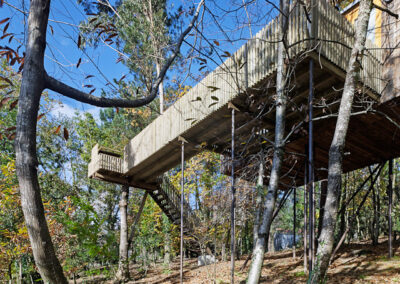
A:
{"x":34,"y":81}
{"x":160,"y":88}
{"x":123,"y":265}
{"x":20,"y":271}
{"x":167,"y":249}
{"x":270,"y":242}
{"x":375,"y":223}
{"x":326,"y":240}
{"x":270,"y":199}
{"x":260,"y":193}
{"x":32,"y":86}
{"x":223,"y":251}
{"x":136,"y":220}
{"x":157,"y":48}
{"x":10,"y":276}
{"x":378,"y":211}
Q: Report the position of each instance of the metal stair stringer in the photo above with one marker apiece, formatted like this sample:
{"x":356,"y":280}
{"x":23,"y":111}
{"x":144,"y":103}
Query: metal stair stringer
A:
{"x":168,"y":198}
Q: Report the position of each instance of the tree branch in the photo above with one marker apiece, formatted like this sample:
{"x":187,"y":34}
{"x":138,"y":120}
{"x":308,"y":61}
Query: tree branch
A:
{"x":385,"y":10}
{"x":68,"y":91}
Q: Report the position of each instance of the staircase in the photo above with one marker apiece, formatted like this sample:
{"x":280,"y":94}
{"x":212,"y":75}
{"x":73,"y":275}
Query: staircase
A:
{"x":107,"y":165}
{"x":168,"y":198}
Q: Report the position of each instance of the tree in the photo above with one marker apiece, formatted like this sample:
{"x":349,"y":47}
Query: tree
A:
{"x":123,"y":267}
{"x":281,"y":101}
{"x":34,"y":81}
{"x":141,"y":31}
{"x":141,"y":27}
{"x":326,"y":240}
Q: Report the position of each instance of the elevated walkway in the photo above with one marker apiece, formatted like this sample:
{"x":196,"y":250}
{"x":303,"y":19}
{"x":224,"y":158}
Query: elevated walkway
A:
{"x":246,"y":79}
{"x":106,"y":165}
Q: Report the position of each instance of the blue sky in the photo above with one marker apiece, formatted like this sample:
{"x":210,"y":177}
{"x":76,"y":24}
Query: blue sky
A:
{"x":62,"y":53}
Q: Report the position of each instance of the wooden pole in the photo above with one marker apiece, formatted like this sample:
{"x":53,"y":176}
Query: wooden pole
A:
{"x":390,"y":195}
{"x":233,"y":196}
{"x":311,"y":167}
{"x":182,"y":198}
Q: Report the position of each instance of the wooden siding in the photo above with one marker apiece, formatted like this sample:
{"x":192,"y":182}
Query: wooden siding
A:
{"x":104,"y":162}
{"x":375,"y":25}
{"x":336,"y":38}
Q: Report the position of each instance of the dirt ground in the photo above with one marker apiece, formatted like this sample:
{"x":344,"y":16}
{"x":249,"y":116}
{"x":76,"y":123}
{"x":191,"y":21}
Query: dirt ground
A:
{"x":356,"y":263}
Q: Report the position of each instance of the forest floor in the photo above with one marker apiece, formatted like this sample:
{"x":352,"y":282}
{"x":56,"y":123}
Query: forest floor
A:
{"x":355,"y":263}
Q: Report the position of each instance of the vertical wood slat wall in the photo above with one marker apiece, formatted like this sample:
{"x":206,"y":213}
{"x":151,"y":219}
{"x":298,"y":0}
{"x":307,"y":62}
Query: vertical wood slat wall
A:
{"x":336,"y":38}
{"x":228,"y":80}
{"x":110,"y":163}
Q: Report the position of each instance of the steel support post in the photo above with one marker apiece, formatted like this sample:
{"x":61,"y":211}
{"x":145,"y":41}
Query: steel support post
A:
{"x":305,"y":215}
{"x":311,"y":166}
{"x":233,"y":196}
{"x":182,"y":199}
